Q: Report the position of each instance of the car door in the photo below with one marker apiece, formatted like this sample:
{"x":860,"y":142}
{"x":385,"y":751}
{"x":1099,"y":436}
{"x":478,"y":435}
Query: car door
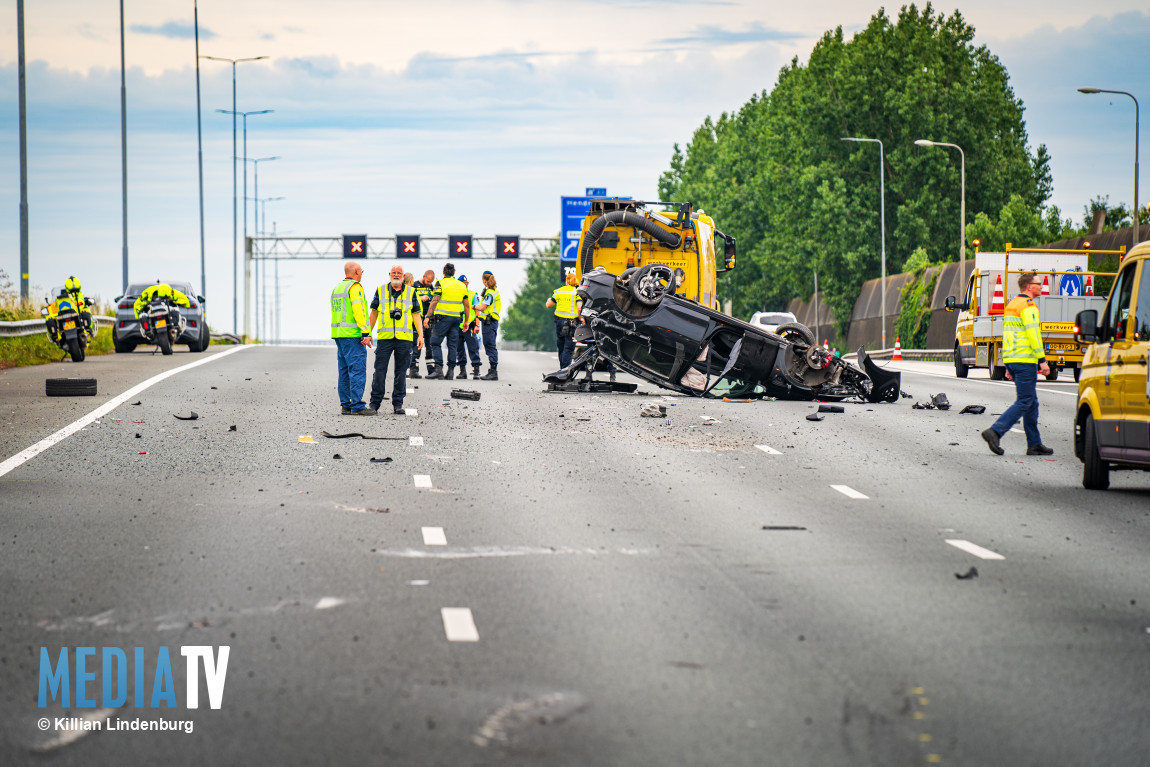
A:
{"x":966,"y":321}
{"x":1115,"y":331}
{"x":1135,"y":364}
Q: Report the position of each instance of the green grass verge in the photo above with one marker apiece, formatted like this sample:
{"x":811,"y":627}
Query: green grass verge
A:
{"x":38,"y":350}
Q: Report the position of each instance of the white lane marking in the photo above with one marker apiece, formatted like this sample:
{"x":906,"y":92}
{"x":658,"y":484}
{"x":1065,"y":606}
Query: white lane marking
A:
{"x":768,"y":449}
{"x":31,"y":452}
{"x":992,"y":383}
{"x":476,"y":552}
{"x":328,"y":602}
{"x":459,"y":625}
{"x":411,"y":411}
{"x":850,"y":492}
{"x":974,"y":549}
{"x":415,"y":441}
{"x":1018,"y":431}
{"x":71,"y":736}
{"x":434,"y":536}
{"x":422,"y":480}
{"x":418,"y":583}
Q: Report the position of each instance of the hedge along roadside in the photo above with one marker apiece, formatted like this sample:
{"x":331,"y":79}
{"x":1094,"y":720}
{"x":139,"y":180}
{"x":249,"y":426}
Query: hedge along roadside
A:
{"x":20,"y":351}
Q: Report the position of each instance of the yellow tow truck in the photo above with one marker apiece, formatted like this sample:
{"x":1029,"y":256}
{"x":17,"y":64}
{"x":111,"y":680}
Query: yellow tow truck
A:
{"x":1067,"y":290}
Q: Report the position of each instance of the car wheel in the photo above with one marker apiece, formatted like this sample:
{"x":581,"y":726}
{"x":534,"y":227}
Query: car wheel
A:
{"x":1095,"y":471}
{"x":70,"y":387}
{"x":653,"y":281}
{"x":998,"y":373}
{"x":796,"y":331}
{"x":1053,"y":375}
{"x":122,"y":347}
{"x":1077,"y":373}
{"x":960,"y":370}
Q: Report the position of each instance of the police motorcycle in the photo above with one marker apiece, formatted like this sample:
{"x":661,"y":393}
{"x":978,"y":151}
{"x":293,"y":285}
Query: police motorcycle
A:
{"x":69,"y":329}
{"x":161,"y":323}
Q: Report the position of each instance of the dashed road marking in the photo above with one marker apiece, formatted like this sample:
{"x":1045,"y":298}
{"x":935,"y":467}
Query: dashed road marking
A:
{"x":415,"y":441}
{"x":422,"y":480}
{"x":434,"y":536}
{"x":850,"y":492}
{"x":410,"y":411}
{"x":1018,"y":431}
{"x":459,"y":625}
{"x":768,"y":450}
{"x":976,"y":550}
{"x":328,"y":602}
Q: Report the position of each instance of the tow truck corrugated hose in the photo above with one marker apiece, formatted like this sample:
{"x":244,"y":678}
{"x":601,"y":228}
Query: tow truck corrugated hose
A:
{"x":670,"y":239}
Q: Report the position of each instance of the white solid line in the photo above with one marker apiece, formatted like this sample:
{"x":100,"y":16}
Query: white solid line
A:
{"x":328,"y":602}
{"x":976,"y":550}
{"x":768,"y":449}
{"x":981,"y":380}
{"x":31,"y":452}
{"x":434,"y":536}
{"x":415,"y":441}
{"x":849,"y":492}
{"x":459,"y":625}
{"x":422,"y":480}
{"x":1018,"y":431}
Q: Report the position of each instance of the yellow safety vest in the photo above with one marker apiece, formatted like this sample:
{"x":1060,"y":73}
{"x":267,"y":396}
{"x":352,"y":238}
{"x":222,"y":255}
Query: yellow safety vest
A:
{"x":451,"y":293}
{"x":1021,"y":334}
{"x":565,"y":299}
{"x":347,"y":308}
{"x":402,"y":328}
{"x":163,"y":290}
{"x":494,"y":304}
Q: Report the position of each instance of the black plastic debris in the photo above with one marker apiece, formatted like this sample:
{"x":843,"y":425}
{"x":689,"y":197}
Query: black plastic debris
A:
{"x":232,"y":427}
{"x":337,"y":457}
{"x":783,"y":527}
{"x":329,"y":435}
{"x":973,"y":410}
{"x":831,"y":409}
{"x":215,"y":387}
{"x":940,"y":401}
{"x":921,"y":406}
{"x":815,"y":417}
{"x":953,"y":444}
{"x":381,"y":460}
{"x":905,"y":395}
{"x":464,"y":394}
{"x":968,"y":575}
{"x":193,"y":417}
{"x":137,"y":435}
{"x":138,"y":402}
{"x":247,"y":379}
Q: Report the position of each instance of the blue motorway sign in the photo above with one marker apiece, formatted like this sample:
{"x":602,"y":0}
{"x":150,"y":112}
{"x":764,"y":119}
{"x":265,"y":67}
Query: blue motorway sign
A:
{"x":596,"y":191}
{"x":574,"y":210}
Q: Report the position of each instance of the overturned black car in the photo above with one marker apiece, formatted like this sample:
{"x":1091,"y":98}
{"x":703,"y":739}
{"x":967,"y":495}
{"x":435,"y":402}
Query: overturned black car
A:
{"x":635,"y":322}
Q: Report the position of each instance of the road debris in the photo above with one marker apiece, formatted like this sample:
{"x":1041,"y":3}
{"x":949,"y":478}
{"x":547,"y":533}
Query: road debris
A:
{"x":215,"y":387}
{"x":361,"y":509}
{"x":728,"y":399}
{"x":232,"y":427}
{"x":940,"y":401}
{"x":337,"y":457}
{"x":464,"y":394}
{"x":137,"y":435}
{"x":380,"y":460}
{"x":193,"y":417}
{"x":815,"y":417}
{"x":831,"y":409}
{"x":653,"y":410}
{"x":783,"y":527}
{"x":307,"y":439}
{"x":138,"y":402}
{"x":973,"y":410}
{"x":142,"y":452}
{"x":329,"y":435}
{"x":968,"y":575}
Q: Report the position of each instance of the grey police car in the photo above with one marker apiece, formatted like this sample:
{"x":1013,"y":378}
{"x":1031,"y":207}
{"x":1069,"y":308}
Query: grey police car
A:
{"x":126,"y":333}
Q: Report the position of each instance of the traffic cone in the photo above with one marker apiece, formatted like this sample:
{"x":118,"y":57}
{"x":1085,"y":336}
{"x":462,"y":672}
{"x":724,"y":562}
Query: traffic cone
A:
{"x":997,"y":304}
{"x":1046,"y":285}
{"x":897,"y":349}
{"x":825,"y":346}
{"x":1089,"y":286}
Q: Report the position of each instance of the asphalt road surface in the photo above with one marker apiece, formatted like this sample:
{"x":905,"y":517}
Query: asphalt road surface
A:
{"x":551,"y":579}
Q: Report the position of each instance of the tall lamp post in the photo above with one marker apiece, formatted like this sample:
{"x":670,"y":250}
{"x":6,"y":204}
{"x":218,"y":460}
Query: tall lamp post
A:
{"x":124,"y":146}
{"x":962,"y":207}
{"x":255,"y":221}
{"x":247,"y":276}
{"x":22,"y":108}
{"x":235,"y":206}
{"x":882,"y":224}
{"x":1131,"y":95}
{"x":262,"y":290}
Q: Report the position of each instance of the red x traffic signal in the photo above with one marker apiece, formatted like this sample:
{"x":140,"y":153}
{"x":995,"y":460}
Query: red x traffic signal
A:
{"x":459,"y":245}
{"x":354,"y":245}
{"x":407,"y":245}
{"x":507,"y":246}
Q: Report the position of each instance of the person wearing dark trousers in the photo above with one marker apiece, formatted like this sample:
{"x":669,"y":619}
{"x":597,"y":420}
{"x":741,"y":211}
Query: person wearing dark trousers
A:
{"x":469,"y":335}
{"x":423,"y":290}
{"x":448,"y":312}
{"x":490,"y":306}
{"x":396,"y":308}
{"x":1024,"y":356}
{"x":566,"y":304}
{"x":352,"y":336}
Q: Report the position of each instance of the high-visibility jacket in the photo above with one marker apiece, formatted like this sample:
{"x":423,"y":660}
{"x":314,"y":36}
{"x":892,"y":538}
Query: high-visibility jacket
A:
{"x":349,"y":311}
{"x":565,"y":299}
{"x":1021,"y":333}
{"x":471,"y":304}
{"x":423,"y":292}
{"x":494,"y":304}
{"x":164,"y":291}
{"x":403,"y":328}
{"x":451,"y":293}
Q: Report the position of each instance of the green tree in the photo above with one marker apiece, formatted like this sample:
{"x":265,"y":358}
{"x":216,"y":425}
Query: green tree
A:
{"x":777,"y":176}
{"x":1020,"y":225}
{"x":527,"y":318}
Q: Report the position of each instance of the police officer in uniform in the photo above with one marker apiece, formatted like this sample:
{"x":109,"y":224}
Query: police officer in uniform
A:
{"x":398,"y":312}
{"x":469,"y":334}
{"x":447,"y":313}
{"x":567,"y":305}
{"x":352,"y":336}
{"x":490,"y":306}
{"x":423,"y":290}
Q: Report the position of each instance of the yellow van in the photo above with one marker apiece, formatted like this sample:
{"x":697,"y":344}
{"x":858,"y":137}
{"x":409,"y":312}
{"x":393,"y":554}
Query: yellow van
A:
{"x":1112,"y":425}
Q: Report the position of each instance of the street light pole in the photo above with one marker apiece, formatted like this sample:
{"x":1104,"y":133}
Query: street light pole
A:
{"x":1131,"y":95}
{"x":200,"y":152}
{"x":261,"y":230}
{"x":235,"y":207}
{"x":962,"y":207}
{"x":882,"y":224}
{"x":24,"y":290}
{"x":255,"y":219}
{"x":124,"y":145}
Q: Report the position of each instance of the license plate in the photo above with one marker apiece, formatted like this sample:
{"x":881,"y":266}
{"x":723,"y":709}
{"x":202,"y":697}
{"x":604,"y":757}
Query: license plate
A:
{"x":69,"y":326}
{"x":161,"y":323}
{"x":1065,"y":347}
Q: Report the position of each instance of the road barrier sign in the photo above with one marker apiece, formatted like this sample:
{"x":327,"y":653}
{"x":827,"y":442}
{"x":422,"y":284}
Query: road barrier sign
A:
{"x":507,"y":246}
{"x":407,"y":246}
{"x":354,"y":245}
{"x":459,"y":246}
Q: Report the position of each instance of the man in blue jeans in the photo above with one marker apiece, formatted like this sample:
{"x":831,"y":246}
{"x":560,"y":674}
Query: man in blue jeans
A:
{"x":1023,"y":353}
{"x":352,"y":336}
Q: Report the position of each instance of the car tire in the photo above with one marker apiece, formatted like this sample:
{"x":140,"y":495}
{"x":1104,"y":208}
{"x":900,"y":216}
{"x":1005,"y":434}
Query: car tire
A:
{"x":1053,"y":375}
{"x":122,"y":347}
{"x":1095,"y":471}
{"x":998,"y":373}
{"x":960,"y":370}
{"x":70,"y":387}
{"x":797,"y":329}
{"x":1077,"y":373}
{"x":639,"y":284}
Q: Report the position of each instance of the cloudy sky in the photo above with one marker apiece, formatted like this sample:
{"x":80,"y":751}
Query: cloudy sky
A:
{"x":450,"y":117}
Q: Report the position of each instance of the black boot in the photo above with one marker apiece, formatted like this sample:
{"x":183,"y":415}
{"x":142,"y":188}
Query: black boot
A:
{"x":492,"y":374}
{"x":413,"y":371}
{"x":434,"y":373}
{"x":462,"y":372}
{"x":430,"y":369}
{"x":475,"y":372}
{"x":450,"y":374}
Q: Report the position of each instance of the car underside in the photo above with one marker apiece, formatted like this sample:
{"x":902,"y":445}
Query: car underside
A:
{"x":636,"y":323}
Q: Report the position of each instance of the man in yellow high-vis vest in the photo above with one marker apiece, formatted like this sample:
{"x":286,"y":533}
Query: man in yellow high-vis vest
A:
{"x":567,"y":305}
{"x":445,"y":314}
{"x":399,"y":333}
{"x":352,"y":336}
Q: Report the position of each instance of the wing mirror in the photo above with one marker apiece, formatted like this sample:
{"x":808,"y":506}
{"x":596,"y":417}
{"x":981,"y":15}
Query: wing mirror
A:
{"x":952,"y":304}
{"x":201,"y":299}
{"x":1086,"y":326}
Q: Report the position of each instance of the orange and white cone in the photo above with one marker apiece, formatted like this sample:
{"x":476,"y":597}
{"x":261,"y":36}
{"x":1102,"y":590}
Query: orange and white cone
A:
{"x":897,"y":349}
{"x":998,"y":303}
{"x":826,"y":347}
{"x":1089,"y":286}
{"x":1046,"y":285}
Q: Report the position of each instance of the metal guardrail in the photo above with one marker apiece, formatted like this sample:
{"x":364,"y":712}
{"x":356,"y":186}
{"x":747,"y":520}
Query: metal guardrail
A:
{"x":18,"y":328}
{"x":921,"y":355}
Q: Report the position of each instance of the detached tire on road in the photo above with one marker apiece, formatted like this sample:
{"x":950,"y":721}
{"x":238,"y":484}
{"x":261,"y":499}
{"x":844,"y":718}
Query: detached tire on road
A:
{"x":70,"y":387}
